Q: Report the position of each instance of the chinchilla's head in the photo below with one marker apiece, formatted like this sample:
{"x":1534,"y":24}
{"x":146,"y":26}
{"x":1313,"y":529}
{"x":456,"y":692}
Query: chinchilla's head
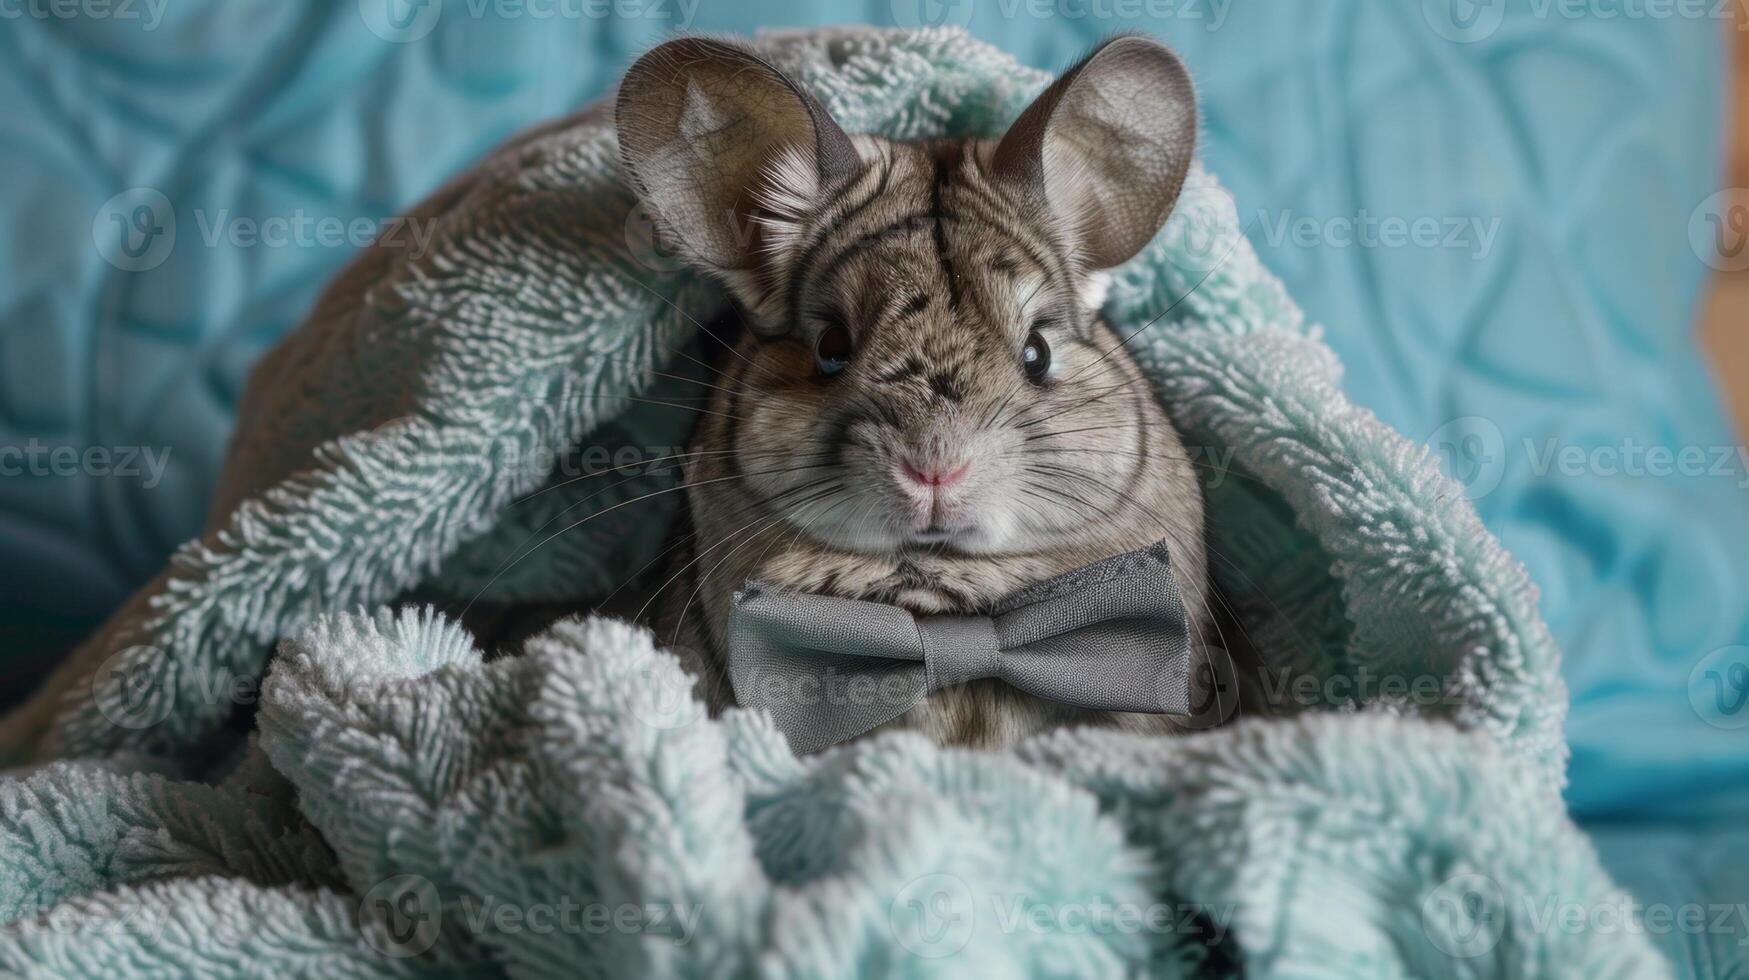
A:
{"x":926,"y":365}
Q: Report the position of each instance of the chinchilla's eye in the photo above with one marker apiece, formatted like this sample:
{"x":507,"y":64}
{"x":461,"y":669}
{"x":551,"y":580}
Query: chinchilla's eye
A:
{"x":833,"y":350}
{"x":1036,"y":358}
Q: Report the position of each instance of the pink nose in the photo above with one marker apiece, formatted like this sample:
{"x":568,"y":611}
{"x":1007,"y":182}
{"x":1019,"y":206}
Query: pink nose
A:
{"x":935,"y":474}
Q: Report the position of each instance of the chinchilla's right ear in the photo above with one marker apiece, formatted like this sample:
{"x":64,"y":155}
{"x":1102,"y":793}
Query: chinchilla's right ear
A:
{"x":1107,"y":146}
{"x":708,"y":133}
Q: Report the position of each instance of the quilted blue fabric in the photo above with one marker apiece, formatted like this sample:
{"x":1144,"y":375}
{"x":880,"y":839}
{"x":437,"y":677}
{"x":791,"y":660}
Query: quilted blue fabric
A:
{"x":1672,"y":871}
{"x":1491,"y":214}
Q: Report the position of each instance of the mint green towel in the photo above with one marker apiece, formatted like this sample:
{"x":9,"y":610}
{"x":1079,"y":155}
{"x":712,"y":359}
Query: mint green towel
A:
{"x":409,"y":809}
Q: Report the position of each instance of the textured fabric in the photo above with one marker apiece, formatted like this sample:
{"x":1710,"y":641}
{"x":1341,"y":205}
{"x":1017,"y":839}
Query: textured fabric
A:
{"x":1112,"y":636}
{"x":1691,"y":884}
{"x":457,"y":796}
{"x":1574,"y":155}
{"x":397,"y":442}
{"x":393,"y":444}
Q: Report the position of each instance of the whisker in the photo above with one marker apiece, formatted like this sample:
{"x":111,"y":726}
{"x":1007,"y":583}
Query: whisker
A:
{"x":689,"y":455}
{"x":1213,"y":593}
{"x":680,"y":541}
{"x":702,"y":329}
{"x":1090,"y":400}
{"x":777,"y":519}
{"x":1125,"y":341}
{"x":511,"y":563}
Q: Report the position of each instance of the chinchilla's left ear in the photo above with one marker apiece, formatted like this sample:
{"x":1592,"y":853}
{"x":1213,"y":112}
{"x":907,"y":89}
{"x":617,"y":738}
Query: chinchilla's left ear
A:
{"x":1107,"y":146}
{"x":707,"y":127}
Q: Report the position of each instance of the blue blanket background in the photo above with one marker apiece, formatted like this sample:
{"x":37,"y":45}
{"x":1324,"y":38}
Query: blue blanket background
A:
{"x":1565,"y":165}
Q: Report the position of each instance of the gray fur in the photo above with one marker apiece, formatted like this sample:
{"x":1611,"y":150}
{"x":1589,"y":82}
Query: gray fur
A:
{"x":940,"y":258}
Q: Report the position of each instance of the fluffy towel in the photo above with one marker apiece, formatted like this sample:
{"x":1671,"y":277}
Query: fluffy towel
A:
{"x":408,"y":808}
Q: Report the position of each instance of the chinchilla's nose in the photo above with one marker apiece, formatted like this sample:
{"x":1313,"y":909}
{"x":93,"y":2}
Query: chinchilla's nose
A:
{"x":934,"y":474}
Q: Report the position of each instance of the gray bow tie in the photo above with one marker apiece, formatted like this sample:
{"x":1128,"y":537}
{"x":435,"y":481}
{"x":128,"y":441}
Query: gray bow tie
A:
{"x":1111,"y":636}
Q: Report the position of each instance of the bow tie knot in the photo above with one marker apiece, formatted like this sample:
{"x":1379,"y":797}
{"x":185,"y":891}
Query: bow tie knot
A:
{"x":1110,"y":636}
{"x":958,"y":649}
